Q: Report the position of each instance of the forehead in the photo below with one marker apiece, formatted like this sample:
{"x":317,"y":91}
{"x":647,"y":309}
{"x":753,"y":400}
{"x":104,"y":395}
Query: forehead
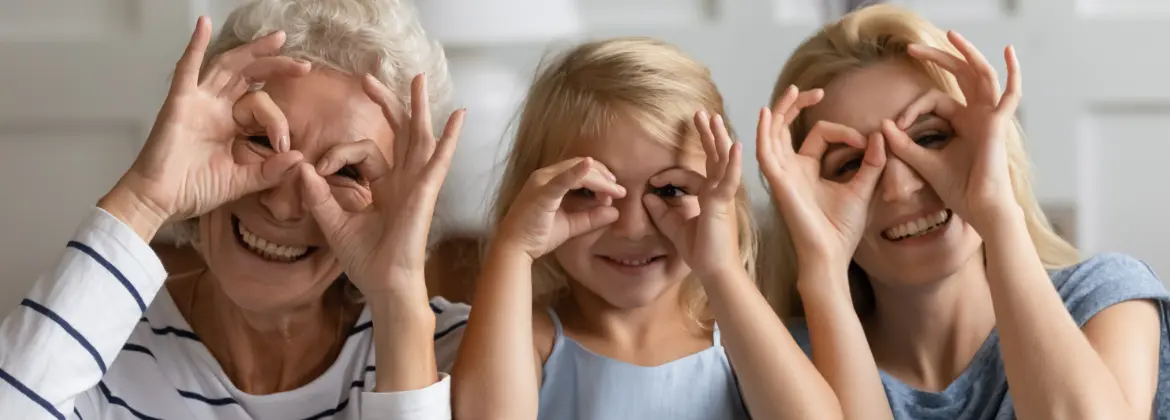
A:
{"x":862,"y":98}
{"x":630,"y":152}
{"x":327,"y":107}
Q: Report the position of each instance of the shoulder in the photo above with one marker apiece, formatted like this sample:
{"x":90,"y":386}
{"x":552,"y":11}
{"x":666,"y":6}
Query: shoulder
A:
{"x":1104,"y":280}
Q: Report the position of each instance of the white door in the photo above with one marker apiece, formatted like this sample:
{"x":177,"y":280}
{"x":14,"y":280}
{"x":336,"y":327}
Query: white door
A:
{"x":80,"y":83}
{"x":1096,"y":92}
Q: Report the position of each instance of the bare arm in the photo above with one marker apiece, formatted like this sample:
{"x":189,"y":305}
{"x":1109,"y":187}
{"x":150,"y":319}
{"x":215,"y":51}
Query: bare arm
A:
{"x":1055,"y":370}
{"x":840,"y":350}
{"x":777,"y":379}
{"x":496,"y":375}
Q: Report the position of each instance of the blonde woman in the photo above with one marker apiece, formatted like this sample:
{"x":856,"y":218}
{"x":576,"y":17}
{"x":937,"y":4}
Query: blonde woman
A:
{"x":286,"y":187}
{"x":937,"y":259}
{"x":622,"y":218}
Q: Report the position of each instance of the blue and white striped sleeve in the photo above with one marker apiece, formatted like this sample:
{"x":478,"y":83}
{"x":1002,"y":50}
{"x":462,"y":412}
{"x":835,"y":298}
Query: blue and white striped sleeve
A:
{"x":61,"y":339}
{"x":432,"y":402}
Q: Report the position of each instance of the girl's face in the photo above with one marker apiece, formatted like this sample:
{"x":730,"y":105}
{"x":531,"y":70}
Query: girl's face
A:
{"x":911,"y":238}
{"x":629,"y":263}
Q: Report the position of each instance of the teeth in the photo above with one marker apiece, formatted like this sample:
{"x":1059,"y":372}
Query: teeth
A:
{"x":632,"y":262}
{"x":269,"y":250}
{"x":918,"y":227}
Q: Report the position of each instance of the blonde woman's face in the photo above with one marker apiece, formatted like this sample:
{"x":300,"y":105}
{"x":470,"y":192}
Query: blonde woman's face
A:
{"x":911,"y":237}
{"x":629,"y":263}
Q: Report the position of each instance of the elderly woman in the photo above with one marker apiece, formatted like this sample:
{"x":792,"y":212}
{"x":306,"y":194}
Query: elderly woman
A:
{"x":295,"y":163}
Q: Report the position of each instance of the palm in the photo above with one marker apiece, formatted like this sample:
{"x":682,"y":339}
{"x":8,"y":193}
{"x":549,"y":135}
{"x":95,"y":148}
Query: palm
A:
{"x":186,"y":167}
{"x":971,"y":172}
{"x":703,"y":228}
{"x":826,"y":218}
{"x":384,"y":248}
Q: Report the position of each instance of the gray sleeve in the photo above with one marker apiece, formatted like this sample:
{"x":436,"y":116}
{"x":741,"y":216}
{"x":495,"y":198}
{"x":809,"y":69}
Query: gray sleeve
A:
{"x":1106,"y":280}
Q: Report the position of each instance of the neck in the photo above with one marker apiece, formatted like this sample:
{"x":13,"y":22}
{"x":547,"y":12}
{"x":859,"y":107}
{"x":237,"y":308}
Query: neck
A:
{"x":636,"y":335}
{"x":927,"y":335}
{"x":265,"y":352}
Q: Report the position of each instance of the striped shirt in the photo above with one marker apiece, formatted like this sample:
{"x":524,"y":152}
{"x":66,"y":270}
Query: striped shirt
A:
{"x":99,"y":338}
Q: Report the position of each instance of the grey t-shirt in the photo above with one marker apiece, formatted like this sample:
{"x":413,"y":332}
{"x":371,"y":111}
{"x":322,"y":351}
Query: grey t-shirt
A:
{"x":981,"y":391}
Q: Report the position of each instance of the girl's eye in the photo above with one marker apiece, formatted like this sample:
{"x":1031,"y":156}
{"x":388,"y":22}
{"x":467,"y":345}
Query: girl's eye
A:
{"x":669,"y":191}
{"x":933,"y":140}
{"x":583,"y":193}
{"x":349,"y":171}
{"x":260,"y":140}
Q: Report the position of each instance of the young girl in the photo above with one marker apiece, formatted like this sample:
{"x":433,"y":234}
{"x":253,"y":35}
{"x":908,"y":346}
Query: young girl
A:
{"x":622,"y":217}
{"x":973,"y":307}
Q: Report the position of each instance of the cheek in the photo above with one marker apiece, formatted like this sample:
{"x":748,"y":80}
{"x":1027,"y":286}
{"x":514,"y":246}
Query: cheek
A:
{"x":576,"y":254}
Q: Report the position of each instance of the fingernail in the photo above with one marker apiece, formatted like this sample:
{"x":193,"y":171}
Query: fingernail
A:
{"x":703,"y":114}
{"x":284,"y":144}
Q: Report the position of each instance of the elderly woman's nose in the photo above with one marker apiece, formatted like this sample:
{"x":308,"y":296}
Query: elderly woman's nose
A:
{"x":284,"y":201}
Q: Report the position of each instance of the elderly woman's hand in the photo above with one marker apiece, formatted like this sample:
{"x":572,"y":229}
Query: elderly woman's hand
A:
{"x":186,"y":167}
{"x":383,"y":249}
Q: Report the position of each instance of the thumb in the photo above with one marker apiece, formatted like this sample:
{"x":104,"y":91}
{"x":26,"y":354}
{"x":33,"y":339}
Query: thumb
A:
{"x":258,"y":176}
{"x":923,"y":160}
{"x":872,"y":165}
{"x":670,"y":221}
{"x":316,"y":197}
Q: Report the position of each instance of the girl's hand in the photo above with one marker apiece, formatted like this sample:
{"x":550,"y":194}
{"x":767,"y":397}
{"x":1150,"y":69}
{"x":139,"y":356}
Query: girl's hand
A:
{"x":970,"y":173}
{"x":186,"y":167}
{"x":703,"y":228}
{"x":383,"y":249}
{"x":536,"y":224}
{"x":826,"y":217}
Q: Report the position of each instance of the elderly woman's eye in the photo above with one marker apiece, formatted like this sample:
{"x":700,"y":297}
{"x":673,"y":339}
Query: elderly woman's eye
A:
{"x":583,"y":193}
{"x":934,"y":140}
{"x":349,"y":171}
{"x":260,"y":140}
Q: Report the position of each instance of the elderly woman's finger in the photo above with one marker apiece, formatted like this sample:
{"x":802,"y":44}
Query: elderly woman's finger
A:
{"x":257,"y":111}
{"x":394,"y":114}
{"x":224,"y":70}
{"x":316,"y":197}
{"x":187,"y":69}
{"x":268,"y":68}
{"x":440,"y":163}
{"x":362,"y":160}
{"x":422,"y":138}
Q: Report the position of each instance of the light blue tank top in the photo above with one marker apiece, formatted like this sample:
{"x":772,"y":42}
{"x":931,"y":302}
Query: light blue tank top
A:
{"x":578,"y":384}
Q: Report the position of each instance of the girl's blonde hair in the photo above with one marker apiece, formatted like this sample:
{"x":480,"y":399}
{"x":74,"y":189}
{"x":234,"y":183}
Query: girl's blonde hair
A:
{"x":583,"y":93}
{"x":866,"y":36}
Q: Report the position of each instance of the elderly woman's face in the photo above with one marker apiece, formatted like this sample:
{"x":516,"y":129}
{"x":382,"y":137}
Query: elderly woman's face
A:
{"x":265,"y":249}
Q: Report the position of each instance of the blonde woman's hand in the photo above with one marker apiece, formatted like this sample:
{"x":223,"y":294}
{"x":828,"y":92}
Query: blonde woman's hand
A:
{"x":538,"y":223}
{"x":186,"y":167}
{"x":383,"y":248}
{"x":703,"y":227}
{"x":826,"y":218}
{"x":970,"y":172}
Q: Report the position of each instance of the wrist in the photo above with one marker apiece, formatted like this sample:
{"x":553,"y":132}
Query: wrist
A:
{"x":998,"y":220}
{"x":823,"y":279}
{"x":508,"y":252}
{"x":142,"y":216}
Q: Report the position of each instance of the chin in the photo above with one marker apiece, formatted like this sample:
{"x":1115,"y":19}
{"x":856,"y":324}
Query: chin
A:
{"x":264,"y":278}
{"x":919,"y":260}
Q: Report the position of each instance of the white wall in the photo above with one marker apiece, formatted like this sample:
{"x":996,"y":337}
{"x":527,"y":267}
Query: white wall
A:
{"x":80,"y":82}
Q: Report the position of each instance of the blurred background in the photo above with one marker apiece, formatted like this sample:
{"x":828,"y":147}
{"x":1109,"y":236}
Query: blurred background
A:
{"x":81,"y":81}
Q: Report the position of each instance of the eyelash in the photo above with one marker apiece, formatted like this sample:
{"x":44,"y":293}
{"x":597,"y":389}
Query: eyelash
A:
{"x":347,"y":171}
{"x":665,"y":191}
{"x":926,"y":140}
